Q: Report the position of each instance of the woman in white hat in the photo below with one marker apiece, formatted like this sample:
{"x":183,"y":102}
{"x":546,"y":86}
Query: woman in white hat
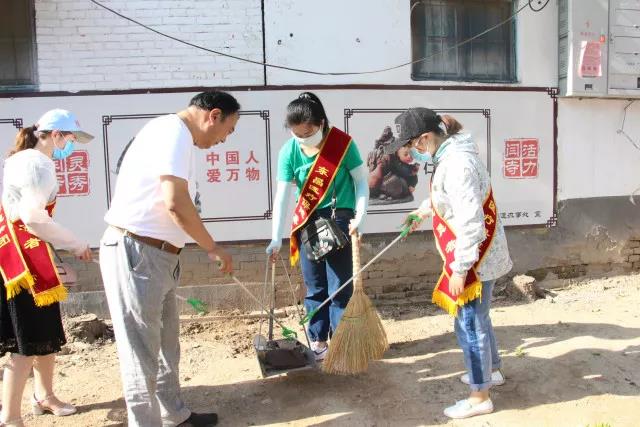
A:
{"x":30,"y":322}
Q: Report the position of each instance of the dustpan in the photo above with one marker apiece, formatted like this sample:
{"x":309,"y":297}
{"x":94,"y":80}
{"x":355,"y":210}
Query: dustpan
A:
{"x":284,"y":355}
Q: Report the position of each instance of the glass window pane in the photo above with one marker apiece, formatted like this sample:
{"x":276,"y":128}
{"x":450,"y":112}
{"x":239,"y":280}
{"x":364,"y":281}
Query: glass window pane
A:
{"x":445,"y":24}
{"x":496,"y":65}
{"x":17,"y":49}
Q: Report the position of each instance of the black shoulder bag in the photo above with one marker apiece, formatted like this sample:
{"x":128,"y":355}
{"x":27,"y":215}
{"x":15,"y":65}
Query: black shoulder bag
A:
{"x":321,"y":236}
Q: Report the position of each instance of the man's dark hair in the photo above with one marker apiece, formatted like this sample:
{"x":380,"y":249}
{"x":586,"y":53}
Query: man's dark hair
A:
{"x":216,"y":99}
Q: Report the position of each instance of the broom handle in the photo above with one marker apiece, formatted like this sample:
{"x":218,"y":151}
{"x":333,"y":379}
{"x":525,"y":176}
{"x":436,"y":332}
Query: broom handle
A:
{"x":273,"y":299}
{"x":312,"y":313}
{"x":355,"y":255}
{"x":257,"y":301}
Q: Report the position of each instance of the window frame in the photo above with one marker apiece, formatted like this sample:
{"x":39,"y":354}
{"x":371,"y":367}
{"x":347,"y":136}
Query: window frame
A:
{"x":419,"y":40}
{"x":29,"y":83}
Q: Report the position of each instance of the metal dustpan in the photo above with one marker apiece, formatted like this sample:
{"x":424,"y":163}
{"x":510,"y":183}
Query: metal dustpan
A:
{"x":285,"y":355}
{"x":282,"y":356}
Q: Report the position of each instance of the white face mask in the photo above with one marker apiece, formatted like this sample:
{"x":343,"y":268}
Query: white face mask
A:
{"x":310,"y":141}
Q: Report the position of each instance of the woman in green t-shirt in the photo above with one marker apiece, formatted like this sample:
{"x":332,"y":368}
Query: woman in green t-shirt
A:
{"x":309,"y":125}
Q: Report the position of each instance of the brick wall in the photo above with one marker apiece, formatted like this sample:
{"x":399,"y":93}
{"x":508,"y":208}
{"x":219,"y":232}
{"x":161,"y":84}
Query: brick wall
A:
{"x":631,"y":252}
{"x":406,"y":273}
{"x":84,"y":47}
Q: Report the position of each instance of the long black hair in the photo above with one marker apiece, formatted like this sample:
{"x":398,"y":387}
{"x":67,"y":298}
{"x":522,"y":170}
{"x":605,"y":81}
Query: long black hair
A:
{"x":307,"y":108}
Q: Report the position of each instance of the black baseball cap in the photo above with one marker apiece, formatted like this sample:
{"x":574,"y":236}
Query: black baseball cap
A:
{"x":411,"y":124}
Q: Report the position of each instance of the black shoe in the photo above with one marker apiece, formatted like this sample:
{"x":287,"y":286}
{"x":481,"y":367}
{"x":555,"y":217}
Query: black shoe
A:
{"x":200,"y":420}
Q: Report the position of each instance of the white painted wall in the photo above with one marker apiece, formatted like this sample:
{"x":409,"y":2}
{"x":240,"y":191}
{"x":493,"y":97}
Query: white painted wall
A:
{"x":244,"y":218}
{"x":84,"y":47}
{"x":81,"y":46}
{"x":593,"y":159}
{"x":359,"y":35}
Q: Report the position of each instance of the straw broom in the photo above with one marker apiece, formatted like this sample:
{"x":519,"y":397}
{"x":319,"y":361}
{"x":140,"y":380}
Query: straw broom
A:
{"x":360,"y":336}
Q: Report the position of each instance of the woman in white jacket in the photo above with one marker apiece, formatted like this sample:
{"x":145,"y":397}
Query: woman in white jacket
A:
{"x":471,"y":240}
{"x":30,"y":321}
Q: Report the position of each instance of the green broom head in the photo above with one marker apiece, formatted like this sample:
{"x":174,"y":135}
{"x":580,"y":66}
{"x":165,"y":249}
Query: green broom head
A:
{"x":198,"y":305}
{"x":289,"y":334}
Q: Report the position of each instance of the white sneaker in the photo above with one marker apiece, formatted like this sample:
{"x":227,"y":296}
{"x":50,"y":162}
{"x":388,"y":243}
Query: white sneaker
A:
{"x":464,"y":409}
{"x":496,"y":378}
{"x":320,"y":350}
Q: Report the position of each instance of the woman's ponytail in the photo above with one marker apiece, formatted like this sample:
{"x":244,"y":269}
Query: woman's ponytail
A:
{"x":307,"y":108}
{"x":25,"y":139}
{"x":453,"y":126}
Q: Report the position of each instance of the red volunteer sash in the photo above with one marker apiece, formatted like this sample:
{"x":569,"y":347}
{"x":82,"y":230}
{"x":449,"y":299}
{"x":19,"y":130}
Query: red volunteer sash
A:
{"x":446,"y":243}
{"x":26,"y":262}
{"x":321,"y":175}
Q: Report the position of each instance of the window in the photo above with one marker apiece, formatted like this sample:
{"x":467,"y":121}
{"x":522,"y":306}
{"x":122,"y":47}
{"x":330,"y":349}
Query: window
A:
{"x":17,"y":45}
{"x":437,"y":25}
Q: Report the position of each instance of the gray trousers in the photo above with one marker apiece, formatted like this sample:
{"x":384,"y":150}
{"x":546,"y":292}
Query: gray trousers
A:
{"x":140,"y":283}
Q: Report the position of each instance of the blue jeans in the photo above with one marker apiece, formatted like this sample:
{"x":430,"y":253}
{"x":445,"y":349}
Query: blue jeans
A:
{"x":325,"y":277}
{"x":477,"y":340}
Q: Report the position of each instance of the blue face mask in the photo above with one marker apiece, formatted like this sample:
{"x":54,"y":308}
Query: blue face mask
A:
{"x":420,"y":157}
{"x":59,"y":154}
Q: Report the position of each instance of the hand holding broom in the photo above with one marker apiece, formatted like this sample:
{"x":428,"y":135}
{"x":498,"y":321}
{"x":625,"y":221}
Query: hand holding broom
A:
{"x":415,"y":217}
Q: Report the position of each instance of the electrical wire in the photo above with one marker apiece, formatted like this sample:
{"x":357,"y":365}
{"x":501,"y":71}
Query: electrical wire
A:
{"x":633,"y":142}
{"x":621,"y":130}
{"x":541,"y":5}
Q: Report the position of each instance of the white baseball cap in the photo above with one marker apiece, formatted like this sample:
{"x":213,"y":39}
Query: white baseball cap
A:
{"x":65,"y":121}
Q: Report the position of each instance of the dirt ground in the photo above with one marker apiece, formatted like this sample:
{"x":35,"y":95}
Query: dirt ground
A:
{"x":572,"y":359}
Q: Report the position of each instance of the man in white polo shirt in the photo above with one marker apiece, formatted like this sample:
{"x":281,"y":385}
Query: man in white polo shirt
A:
{"x":151,"y":217}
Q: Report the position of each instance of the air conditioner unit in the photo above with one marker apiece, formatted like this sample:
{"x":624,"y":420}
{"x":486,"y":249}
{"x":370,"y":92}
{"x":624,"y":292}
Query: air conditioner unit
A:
{"x":599,"y":48}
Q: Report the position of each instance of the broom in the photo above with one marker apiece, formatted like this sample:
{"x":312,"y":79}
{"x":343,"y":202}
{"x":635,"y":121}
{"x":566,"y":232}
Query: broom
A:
{"x":360,"y":336}
{"x":406,"y":229}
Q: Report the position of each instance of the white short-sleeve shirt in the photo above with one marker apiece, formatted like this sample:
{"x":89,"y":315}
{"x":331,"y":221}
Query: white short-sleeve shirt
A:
{"x":164,"y":146}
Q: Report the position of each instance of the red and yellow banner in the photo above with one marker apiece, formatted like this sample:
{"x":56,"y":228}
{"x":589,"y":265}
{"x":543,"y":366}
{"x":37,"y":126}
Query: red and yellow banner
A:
{"x":26,"y":262}
{"x":446,"y":243}
{"x":321,"y":175}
